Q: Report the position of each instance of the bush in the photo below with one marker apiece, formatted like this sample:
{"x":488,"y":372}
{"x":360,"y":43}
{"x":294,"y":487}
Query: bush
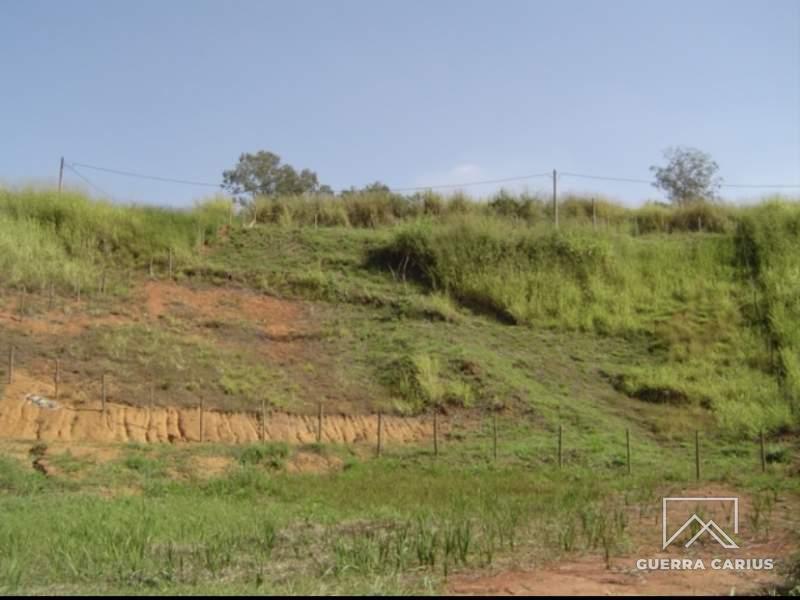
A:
{"x":653,"y":218}
{"x":68,"y":240}
{"x":272,"y":455}
{"x":700,"y":216}
{"x":579,"y":209}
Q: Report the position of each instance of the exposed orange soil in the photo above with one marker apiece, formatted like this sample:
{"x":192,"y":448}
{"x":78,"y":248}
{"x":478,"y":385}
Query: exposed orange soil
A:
{"x":309,"y":462}
{"x":589,"y":575}
{"x":286,"y":326}
{"x":211,"y":466}
{"x":85,"y":422}
{"x":58,"y":322}
{"x":277,"y":318}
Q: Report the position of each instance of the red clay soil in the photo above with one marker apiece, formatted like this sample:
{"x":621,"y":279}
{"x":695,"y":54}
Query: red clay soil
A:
{"x":84,"y":421}
{"x":275,"y":317}
{"x":57,"y":322}
{"x":588,"y":575}
{"x":288,"y":338}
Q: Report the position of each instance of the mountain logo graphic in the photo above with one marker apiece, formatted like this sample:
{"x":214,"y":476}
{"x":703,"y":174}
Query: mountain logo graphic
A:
{"x":709,"y":527}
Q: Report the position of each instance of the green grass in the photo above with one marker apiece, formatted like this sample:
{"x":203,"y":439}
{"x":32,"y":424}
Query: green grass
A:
{"x":685,"y":296}
{"x":414,"y":521}
{"x":660,"y":322}
{"x":68,"y":240}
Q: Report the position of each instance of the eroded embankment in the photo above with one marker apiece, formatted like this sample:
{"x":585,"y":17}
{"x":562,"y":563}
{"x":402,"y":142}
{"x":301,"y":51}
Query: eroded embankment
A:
{"x":21,"y":418}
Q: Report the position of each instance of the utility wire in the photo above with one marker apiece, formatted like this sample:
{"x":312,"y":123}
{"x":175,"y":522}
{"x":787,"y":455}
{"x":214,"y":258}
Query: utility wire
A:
{"x":73,"y":166}
{"x":142,"y":176}
{"x":216,"y":185}
{"x":469,"y":183}
{"x":757,"y":186}
{"x":726,"y":185}
{"x":625,"y":179}
{"x":92,"y":185}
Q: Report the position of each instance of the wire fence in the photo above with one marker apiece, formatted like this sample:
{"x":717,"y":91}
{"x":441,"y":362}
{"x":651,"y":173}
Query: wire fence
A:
{"x":554,"y":175}
{"x":435,"y":428}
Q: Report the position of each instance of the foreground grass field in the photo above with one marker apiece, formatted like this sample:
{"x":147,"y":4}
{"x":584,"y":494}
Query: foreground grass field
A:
{"x":665,"y":324}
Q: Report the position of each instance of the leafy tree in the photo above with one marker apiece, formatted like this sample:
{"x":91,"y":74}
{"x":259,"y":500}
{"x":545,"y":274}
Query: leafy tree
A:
{"x":689,"y":175}
{"x":373,"y":188}
{"x":262,"y":174}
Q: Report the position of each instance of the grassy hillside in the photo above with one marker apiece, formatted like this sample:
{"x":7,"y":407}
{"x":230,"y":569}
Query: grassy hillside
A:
{"x":657,"y":323}
{"x":708,"y":318}
{"x":687,"y":297}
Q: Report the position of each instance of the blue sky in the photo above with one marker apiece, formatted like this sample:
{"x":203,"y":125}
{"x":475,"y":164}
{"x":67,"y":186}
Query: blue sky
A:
{"x":408,"y":92}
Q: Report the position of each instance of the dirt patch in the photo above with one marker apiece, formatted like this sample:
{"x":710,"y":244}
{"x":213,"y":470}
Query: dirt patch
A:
{"x":312,"y":462}
{"x":71,"y":320}
{"x":207,"y":467}
{"x":278,"y":319}
{"x":21,"y":419}
{"x":590,"y":575}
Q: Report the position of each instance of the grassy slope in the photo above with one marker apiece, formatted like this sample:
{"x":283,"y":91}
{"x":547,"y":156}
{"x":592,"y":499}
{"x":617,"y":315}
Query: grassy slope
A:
{"x":665,"y":318}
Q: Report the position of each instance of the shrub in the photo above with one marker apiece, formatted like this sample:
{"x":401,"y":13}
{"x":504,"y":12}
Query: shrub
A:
{"x":700,"y":216}
{"x":653,"y":218}
{"x":272,"y":455}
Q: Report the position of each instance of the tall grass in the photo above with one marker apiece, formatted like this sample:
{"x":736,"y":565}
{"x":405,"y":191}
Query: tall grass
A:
{"x":68,"y":239}
{"x":576,"y":279}
{"x":768,"y":249}
{"x":683,"y":293}
{"x":252,"y":528}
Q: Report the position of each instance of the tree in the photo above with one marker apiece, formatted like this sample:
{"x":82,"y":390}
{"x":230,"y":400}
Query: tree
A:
{"x":689,"y":175}
{"x":373,"y":188}
{"x":262,"y":174}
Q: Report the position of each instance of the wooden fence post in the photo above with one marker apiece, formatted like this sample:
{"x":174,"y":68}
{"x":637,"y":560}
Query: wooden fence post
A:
{"x":763,"y":453}
{"x":11,"y":365}
{"x":104,"y":392}
{"x":435,"y":432}
{"x":628,"y":448}
{"x":319,"y":423}
{"x":697,"y":455}
{"x":494,"y":436}
{"x":560,"y":446}
{"x":380,"y":433}
{"x":555,"y":198}
{"x":57,"y":378}
{"x":171,"y":263}
{"x":22,"y":302}
{"x":263,"y":422}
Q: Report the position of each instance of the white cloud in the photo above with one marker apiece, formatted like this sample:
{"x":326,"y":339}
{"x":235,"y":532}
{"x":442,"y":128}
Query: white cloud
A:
{"x":457,"y":175}
{"x":470,"y":173}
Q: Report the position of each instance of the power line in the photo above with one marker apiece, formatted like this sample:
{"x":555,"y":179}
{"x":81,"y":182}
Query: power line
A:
{"x":726,"y":185}
{"x":72,"y":167}
{"x":143,"y":176}
{"x":469,"y":183}
{"x":216,"y":185}
{"x":92,"y":185}
{"x":604,"y":178}
{"x":763,"y":187}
